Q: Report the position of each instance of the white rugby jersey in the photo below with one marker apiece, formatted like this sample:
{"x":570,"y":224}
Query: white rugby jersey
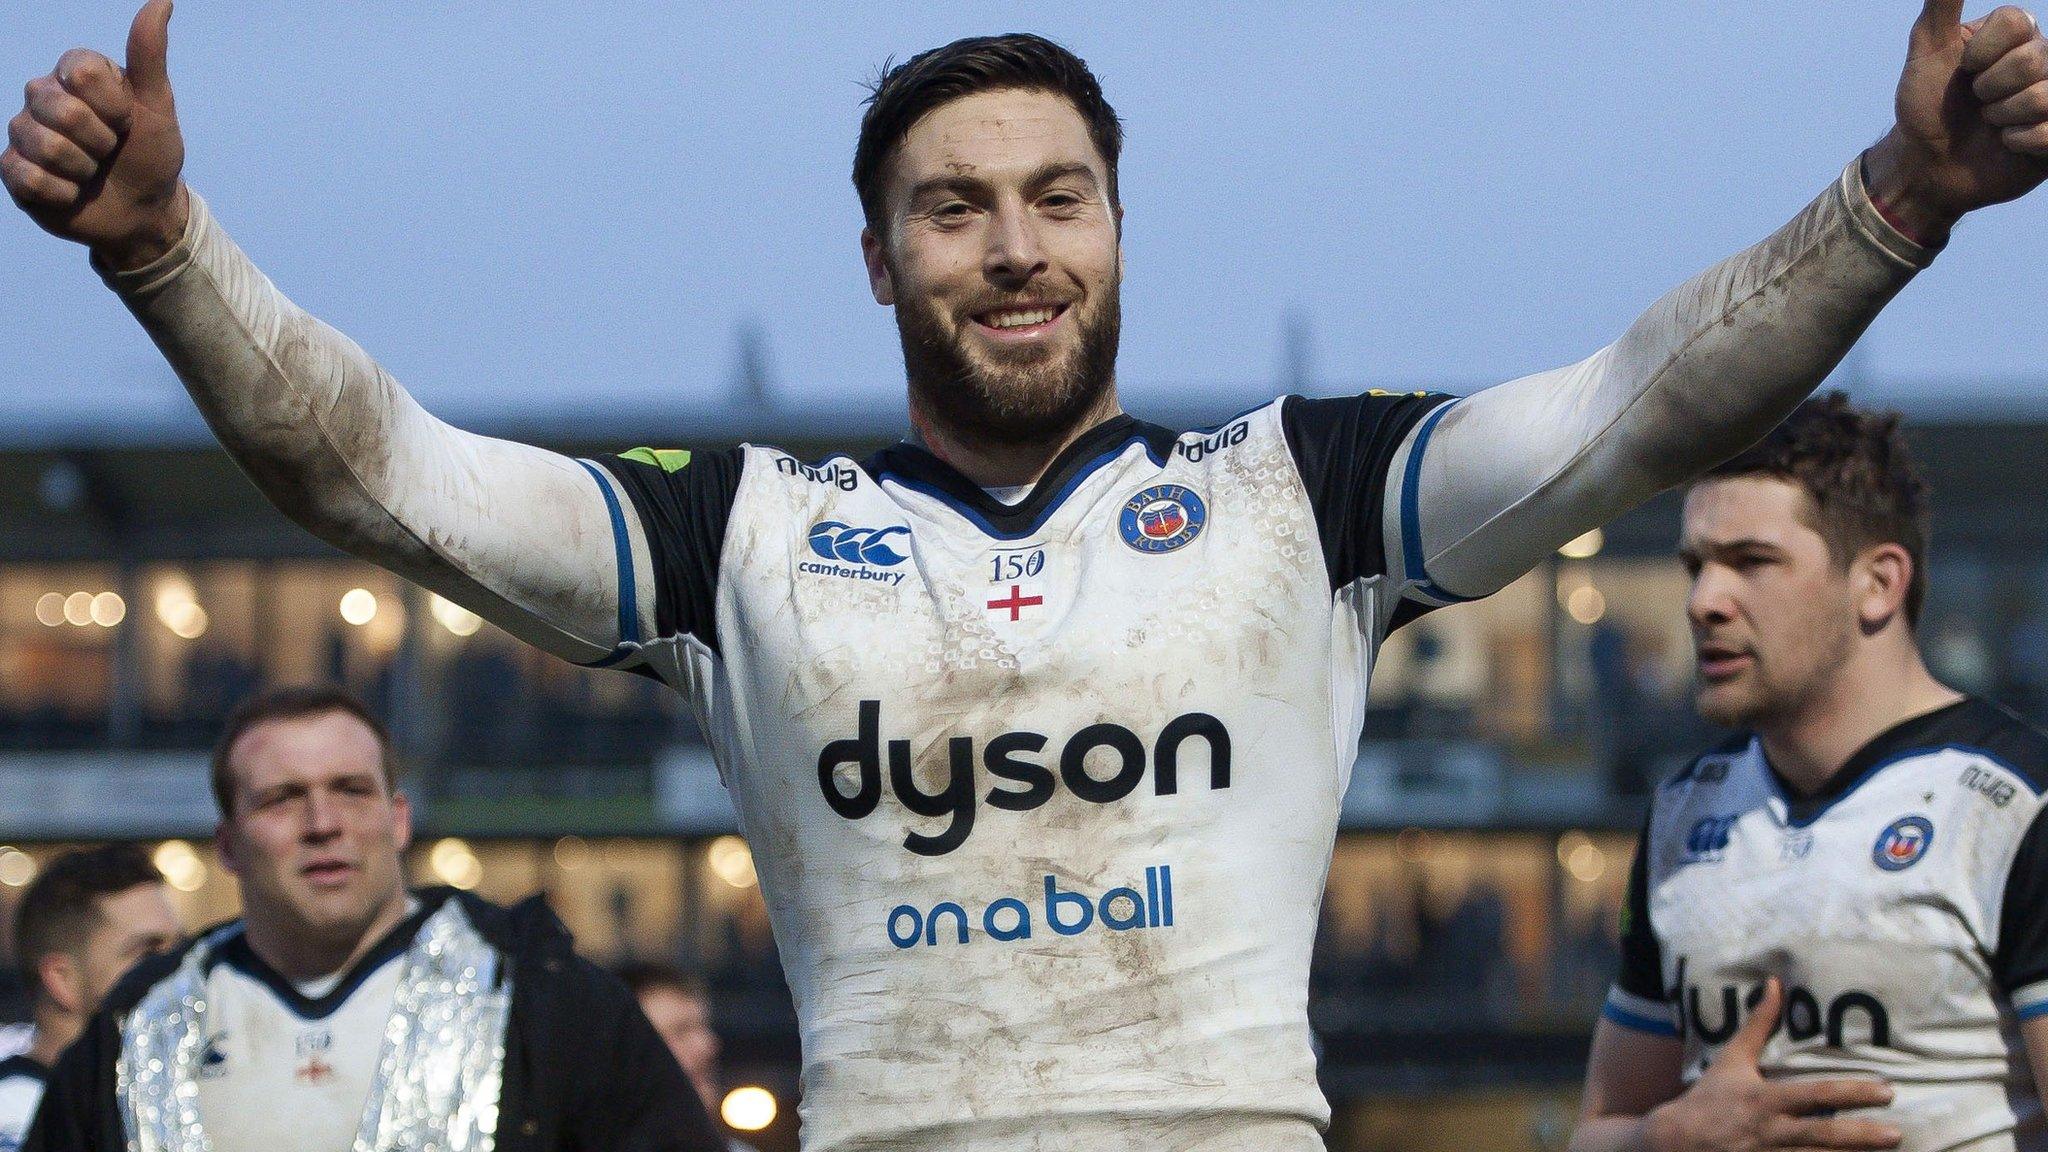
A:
{"x":1042,"y":795}
{"x":287,"y":1067}
{"x":1904,"y":907}
{"x":21,"y":1089}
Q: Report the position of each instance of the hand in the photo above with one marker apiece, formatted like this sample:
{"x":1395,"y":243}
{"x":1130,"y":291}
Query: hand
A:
{"x":95,"y":152}
{"x":1973,"y":119}
{"x":1732,"y":1108}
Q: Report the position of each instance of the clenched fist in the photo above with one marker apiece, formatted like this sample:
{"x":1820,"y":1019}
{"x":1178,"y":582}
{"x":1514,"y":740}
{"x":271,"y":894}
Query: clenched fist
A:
{"x":1972,"y":118}
{"x":95,"y":152}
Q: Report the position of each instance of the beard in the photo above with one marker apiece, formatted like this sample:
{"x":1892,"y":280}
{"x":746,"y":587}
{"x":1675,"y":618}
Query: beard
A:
{"x":1027,"y":397}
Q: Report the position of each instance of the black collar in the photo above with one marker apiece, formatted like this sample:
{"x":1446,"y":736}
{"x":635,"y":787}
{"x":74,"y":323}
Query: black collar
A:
{"x":22,"y":1064}
{"x":917,"y":468}
{"x":1927,"y":730}
{"x":237,"y":954}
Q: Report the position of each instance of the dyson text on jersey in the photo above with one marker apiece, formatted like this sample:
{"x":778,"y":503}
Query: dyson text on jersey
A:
{"x":1009,"y":757}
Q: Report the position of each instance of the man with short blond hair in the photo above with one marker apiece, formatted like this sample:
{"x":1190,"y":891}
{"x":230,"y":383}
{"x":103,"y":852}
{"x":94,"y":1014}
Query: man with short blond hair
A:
{"x":343,"y":1010}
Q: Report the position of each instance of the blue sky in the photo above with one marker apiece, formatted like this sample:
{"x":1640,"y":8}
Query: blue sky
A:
{"x":538,"y":212}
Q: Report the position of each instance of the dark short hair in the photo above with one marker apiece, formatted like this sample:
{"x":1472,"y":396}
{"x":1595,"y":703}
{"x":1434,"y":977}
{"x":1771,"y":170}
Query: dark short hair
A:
{"x":290,"y":704}
{"x":61,"y":908}
{"x":1855,"y":465}
{"x":644,"y":976}
{"x":905,"y":92}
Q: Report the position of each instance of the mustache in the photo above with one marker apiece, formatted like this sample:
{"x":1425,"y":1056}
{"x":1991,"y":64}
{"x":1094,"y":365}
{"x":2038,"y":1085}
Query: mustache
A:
{"x":993,"y":302}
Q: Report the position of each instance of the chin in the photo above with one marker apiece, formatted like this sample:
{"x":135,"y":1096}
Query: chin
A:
{"x":1008,"y":396}
{"x":1727,"y":705}
{"x":1012,"y":406}
{"x":346,"y":908}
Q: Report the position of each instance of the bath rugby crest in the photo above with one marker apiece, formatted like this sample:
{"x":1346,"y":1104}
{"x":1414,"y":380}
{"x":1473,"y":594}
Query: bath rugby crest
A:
{"x":1022,"y":772}
{"x":1162,"y":518}
{"x":1904,"y":908}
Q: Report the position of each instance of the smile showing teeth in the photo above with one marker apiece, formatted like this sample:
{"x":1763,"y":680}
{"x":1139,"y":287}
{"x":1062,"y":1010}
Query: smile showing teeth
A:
{"x":1020,"y":317}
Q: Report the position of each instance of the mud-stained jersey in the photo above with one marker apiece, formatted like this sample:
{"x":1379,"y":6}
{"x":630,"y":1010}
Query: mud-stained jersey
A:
{"x":276,"y":1048}
{"x":1904,"y":907}
{"x":1042,"y":795}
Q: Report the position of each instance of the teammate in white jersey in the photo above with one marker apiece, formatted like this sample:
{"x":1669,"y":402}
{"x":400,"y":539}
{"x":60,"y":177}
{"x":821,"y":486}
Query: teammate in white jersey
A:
{"x":1847,"y":907}
{"x":89,"y":916}
{"x":1037,"y":724}
{"x":341,"y":1010}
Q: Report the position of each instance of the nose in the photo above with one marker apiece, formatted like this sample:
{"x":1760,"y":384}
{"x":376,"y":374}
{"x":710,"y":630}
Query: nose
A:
{"x":323,"y":818}
{"x":1711,"y":600}
{"x":1015,"y":255}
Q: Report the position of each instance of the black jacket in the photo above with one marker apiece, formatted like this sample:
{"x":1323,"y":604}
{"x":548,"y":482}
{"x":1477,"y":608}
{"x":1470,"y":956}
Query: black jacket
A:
{"x":584,"y":1070}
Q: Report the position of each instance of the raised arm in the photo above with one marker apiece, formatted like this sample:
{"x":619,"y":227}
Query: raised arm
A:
{"x":1489,"y":485}
{"x":531,"y":540}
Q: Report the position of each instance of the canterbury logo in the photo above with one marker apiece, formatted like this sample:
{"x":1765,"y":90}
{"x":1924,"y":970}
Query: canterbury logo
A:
{"x":835,"y":541}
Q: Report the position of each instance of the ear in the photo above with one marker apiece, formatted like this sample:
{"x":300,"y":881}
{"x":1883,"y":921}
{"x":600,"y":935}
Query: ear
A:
{"x":1883,"y":576}
{"x":401,"y":822}
{"x":224,"y":848}
{"x":62,"y":981}
{"x":877,"y":261}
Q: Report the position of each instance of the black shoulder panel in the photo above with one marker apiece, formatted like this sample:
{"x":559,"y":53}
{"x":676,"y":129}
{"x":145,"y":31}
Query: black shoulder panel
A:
{"x":684,"y":500}
{"x":2012,"y":739}
{"x":1642,"y":957}
{"x":1343,"y":449}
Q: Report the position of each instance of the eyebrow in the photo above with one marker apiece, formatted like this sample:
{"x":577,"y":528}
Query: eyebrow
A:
{"x":1044,"y":175}
{"x":1740,"y":543}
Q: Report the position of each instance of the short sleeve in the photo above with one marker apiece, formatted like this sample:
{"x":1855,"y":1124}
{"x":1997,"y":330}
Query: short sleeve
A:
{"x":1344,"y":449}
{"x":2020,"y":962}
{"x":684,"y":501}
{"x":1637,"y":999}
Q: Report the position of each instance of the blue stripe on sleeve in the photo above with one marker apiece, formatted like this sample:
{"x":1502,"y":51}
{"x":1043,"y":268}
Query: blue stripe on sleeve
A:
{"x":629,"y":597}
{"x":1411,"y":515}
{"x":1628,"y":1019}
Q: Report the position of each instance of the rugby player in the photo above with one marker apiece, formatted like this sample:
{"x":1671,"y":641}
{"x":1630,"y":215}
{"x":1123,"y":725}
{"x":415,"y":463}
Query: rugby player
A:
{"x":344,"y":1011}
{"x":1038,"y":722}
{"x":1846,"y":907}
{"x":88,"y":917}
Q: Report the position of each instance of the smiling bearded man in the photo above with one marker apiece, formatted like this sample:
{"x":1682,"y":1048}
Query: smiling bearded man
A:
{"x":1037,"y":723}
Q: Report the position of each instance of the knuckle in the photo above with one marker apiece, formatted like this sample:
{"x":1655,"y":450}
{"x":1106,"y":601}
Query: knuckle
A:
{"x":82,"y":65}
{"x":28,"y":182}
{"x":68,"y":117}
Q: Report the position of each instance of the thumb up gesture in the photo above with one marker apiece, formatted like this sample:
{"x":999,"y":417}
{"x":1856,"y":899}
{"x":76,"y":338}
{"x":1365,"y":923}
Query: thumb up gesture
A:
{"x":95,"y":152}
{"x":1972,"y":118}
{"x":1733,"y":1108}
